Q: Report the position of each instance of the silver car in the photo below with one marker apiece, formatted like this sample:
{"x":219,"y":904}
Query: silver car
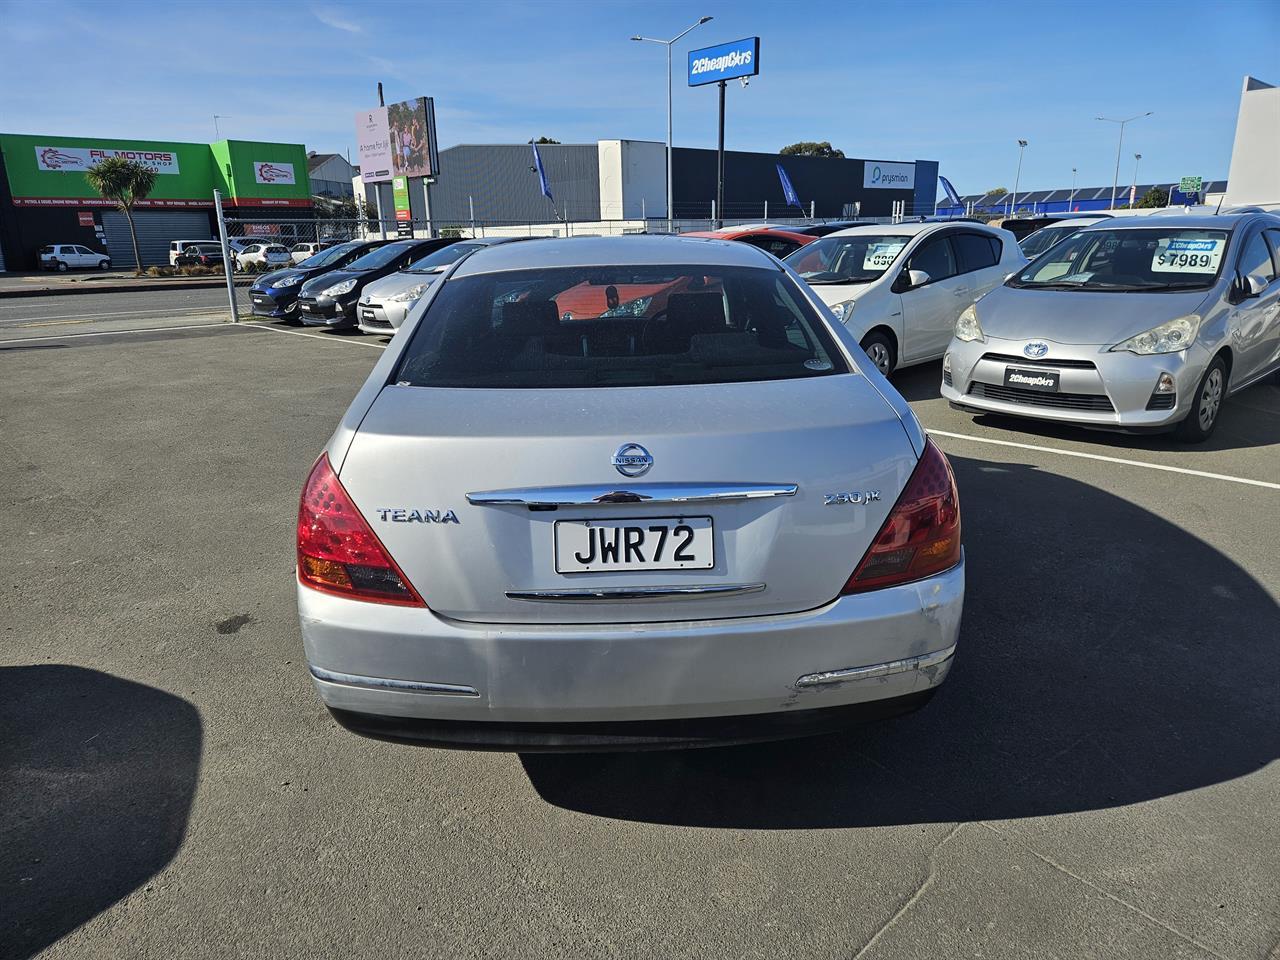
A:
{"x":1140,"y":324}
{"x":627,"y":492}
{"x":386,"y":302}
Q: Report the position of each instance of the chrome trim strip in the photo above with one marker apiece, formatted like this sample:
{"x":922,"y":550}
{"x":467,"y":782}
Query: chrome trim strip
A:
{"x":400,"y":686}
{"x":887,"y":669}
{"x":623,"y":594}
{"x":586,"y":496}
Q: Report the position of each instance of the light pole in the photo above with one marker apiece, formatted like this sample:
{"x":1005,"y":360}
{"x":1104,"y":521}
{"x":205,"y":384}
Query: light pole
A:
{"x":1071,"y":201}
{"x":1022,"y":145}
{"x":1133,"y":190}
{"x":1115,"y":181}
{"x":216,"y":117}
{"x":668,"y":44}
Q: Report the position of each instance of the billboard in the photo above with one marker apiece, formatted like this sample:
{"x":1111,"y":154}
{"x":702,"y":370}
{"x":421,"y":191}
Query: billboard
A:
{"x":265,"y":171}
{"x":885,"y":175}
{"x":724,"y":61}
{"x":397,"y":140}
{"x":76,"y":159}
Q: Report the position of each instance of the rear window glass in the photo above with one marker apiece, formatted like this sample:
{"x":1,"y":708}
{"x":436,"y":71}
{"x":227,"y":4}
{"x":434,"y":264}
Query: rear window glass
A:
{"x":618,"y":327}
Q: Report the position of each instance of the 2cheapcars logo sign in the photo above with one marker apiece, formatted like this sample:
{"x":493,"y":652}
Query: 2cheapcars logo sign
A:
{"x":267,"y":172}
{"x":882,"y":175}
{"x":725,"y":61}
{"x":62,"y":159}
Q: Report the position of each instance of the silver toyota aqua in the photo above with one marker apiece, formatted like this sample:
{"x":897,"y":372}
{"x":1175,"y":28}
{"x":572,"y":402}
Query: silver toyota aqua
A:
{"x":1136,"y":324}
{"x":630,"y":492}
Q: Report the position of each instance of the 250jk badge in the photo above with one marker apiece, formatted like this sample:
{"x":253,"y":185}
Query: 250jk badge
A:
{"x":852,"y":497}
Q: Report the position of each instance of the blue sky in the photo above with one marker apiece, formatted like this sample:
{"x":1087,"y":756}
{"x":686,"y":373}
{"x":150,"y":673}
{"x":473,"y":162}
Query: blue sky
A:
{"x":958,"y":82}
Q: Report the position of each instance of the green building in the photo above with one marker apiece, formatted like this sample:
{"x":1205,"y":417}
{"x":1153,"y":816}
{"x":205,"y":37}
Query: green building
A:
{"x":45,"y":197}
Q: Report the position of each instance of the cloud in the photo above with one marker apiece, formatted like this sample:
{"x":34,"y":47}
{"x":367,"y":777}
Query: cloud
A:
{"x":332,"y":18}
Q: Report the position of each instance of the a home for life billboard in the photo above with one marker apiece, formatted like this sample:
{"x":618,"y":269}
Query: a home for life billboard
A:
{"x":397,"y":140}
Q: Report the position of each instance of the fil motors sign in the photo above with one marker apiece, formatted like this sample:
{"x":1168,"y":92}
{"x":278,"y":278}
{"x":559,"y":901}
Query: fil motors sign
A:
{"x":79,"y":159}
{"x":265,"y":171}
{"x":724,"y":61}
{"x":883,"y":175}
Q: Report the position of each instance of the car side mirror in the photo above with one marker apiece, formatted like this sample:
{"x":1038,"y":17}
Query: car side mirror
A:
{"x":909,"y":280}
{"x":1254,"y":285}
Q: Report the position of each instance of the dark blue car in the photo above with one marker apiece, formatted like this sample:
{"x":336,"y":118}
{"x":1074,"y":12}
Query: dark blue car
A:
{"x":275,"y":294}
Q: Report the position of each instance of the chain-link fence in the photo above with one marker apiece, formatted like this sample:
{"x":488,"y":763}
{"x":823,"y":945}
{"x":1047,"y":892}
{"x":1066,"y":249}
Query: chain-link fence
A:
{"x":258,"y":246}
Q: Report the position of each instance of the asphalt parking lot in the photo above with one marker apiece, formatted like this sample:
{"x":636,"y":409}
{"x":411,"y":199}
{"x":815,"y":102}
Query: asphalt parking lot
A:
{"x":1098,"y":777}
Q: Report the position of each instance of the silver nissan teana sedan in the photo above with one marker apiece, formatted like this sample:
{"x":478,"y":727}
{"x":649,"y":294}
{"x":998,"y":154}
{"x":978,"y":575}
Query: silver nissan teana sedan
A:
{"x":625,"y":493}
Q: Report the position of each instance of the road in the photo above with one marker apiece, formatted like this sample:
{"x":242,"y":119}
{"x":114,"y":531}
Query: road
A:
{"x":97,"y":312}
{"x":1098,"y":776}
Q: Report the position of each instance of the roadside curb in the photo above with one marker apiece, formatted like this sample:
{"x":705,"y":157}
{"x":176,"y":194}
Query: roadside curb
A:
{"x":138,"y":287}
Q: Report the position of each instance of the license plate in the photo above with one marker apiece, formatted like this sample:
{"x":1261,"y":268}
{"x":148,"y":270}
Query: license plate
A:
{"x":651,"y":543}
{"x":261,"y":301}
{"x":1045,"y":381}
{"x":306,"y":307}
{"x":367,"y":315}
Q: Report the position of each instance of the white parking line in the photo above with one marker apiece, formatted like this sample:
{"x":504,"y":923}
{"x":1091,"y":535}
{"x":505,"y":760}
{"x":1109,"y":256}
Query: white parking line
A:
{"x":327,"y":337}
{"x":1095,"y":456}
{"x":117,"y":313}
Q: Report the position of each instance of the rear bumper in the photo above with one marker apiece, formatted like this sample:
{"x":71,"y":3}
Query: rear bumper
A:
{"x":504,"y":683}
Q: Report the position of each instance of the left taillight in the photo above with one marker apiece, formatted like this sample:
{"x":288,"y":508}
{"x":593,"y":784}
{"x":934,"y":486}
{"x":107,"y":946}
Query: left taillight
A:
{"x":921,"y":537}
{"x":338,"y":552}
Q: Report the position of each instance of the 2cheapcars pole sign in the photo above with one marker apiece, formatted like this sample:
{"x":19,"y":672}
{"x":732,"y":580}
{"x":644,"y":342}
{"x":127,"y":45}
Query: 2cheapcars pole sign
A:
{"x":724,"y":61}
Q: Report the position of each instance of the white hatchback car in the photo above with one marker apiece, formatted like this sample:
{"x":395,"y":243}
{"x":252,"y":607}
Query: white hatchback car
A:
{"x":625,"y":492}
{"x":72,"y":256}
{"x":899,"y":288}
{"x":267,"y":254}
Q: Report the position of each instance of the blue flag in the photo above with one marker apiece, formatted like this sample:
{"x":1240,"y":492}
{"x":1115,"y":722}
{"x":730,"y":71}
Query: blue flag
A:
{"x":542,"y":174}
{"x":788,"y":191}
{"x":950,"y":192}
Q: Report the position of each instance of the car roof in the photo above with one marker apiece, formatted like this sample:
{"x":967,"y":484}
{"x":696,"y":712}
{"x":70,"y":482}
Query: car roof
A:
{"x":638,"y":250}
{"x":1189,"y":221}
{"x":735,"y":233}
{"x":906,"y":229}
{"x":1073,"y":222}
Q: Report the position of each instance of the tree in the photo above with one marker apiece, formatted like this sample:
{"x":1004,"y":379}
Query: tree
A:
{"x":809,"y":148}
{"x":1155,"y":197}
{"x":126,"y":182}
{"x":997,"y":192}
{"x":545,"y":140}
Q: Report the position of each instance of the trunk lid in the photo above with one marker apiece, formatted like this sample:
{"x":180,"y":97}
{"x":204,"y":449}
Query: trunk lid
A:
{"x":422,"y":450}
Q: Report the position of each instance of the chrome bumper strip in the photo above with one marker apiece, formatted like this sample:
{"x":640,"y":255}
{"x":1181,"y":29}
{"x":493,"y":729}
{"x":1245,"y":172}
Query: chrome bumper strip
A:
{"x":401,"y":686}
{"x":886,"y":669}
{"x":630,"y":594}
{"x":586,"y":496}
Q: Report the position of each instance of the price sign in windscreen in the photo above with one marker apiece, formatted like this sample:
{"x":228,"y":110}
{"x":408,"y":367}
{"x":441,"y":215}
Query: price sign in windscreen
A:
{"x":1188,"y":254}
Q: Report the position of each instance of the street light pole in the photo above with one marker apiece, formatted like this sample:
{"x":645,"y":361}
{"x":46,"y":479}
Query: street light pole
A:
{"x":1115,"y":182}
{"x":1133,"y":190}
{"x":669,"y":44}
{"x":1071,"y":201}
{"x":1022,"y":145}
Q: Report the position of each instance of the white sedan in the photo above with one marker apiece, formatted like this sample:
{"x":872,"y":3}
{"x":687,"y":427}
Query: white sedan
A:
{"x":900,"y":288}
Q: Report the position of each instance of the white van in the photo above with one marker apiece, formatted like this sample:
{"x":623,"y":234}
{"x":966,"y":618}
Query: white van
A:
{"x":177,"y":246}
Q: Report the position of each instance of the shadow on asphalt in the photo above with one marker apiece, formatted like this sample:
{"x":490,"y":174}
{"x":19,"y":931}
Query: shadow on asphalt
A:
{"x":97,"y":776}
{"x":1250,"y":418}
{"x":1107,"y":657}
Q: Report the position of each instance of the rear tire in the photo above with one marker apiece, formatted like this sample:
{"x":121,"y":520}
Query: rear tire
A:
{"x":105,"y":265}
{"x":1206,"y":406}
{"x":880,"y":349}
{"x":62,"y":267}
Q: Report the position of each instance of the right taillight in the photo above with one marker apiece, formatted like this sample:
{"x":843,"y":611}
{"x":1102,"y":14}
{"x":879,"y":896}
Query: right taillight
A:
{"x":921,"y":537}
{"x":338,"y":552}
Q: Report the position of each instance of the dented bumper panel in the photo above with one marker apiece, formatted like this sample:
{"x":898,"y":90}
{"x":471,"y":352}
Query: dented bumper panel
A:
{"x":565,"y":673}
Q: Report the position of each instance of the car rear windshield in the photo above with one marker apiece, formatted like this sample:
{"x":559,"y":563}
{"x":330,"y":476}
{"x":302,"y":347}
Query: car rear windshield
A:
{"x":860,"y":258}
{"x":1148,"y":259}
{"x":1037,"y":243}
{"x":618,"y":327}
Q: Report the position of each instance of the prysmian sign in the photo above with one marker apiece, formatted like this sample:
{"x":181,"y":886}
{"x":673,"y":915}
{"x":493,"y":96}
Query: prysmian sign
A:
{"x":75,"y":159}
{"x":883,"y":175}
{"x":725,"y":61}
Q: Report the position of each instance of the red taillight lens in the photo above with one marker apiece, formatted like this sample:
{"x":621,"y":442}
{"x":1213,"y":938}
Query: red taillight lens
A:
{"x":337,"y":550}
{"x":921,"y":536}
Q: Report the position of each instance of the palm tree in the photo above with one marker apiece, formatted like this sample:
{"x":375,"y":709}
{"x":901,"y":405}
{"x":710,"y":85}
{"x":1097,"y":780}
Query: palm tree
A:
{"x":126,"y":182}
